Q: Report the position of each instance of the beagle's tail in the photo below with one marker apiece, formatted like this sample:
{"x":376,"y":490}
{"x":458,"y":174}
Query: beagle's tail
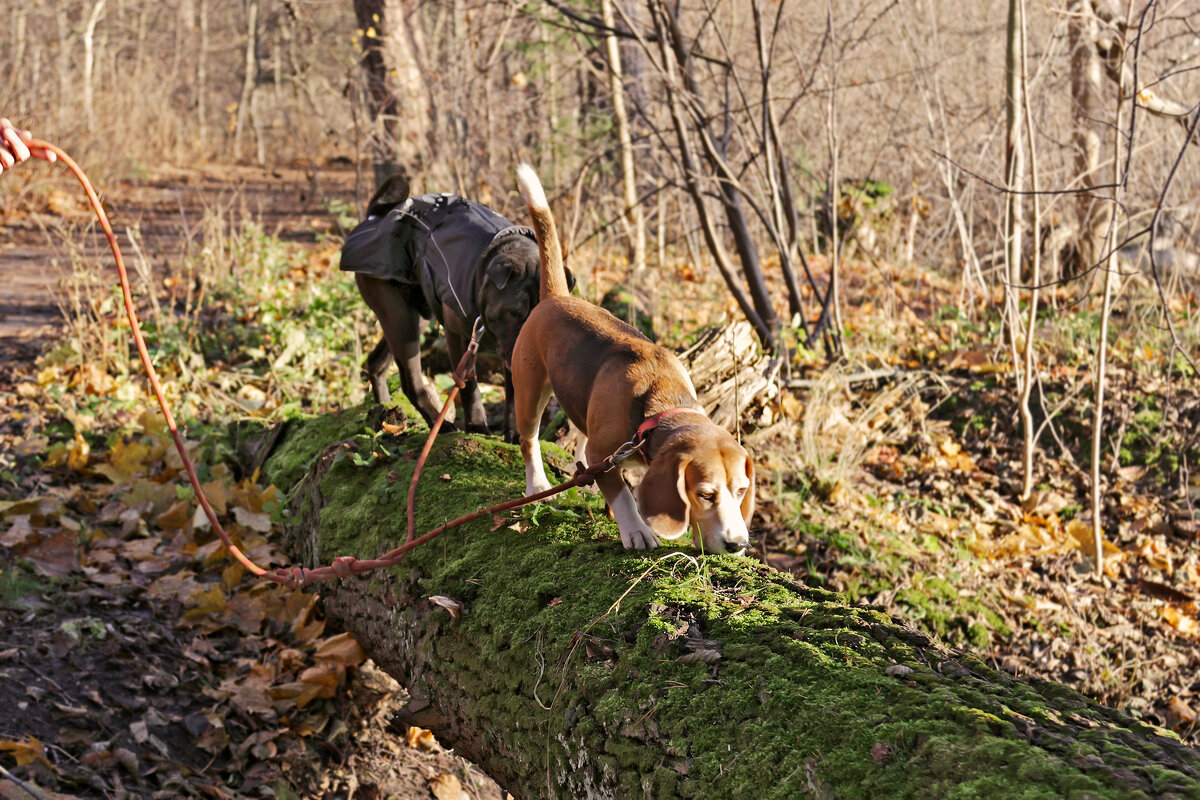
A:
{"x":554,"y":274}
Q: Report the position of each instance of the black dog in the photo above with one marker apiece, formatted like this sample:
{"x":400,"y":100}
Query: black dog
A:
{"x":439,"y":255}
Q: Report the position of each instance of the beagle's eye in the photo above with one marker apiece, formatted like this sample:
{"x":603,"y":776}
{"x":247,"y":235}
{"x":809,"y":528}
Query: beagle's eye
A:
{"x":741,"y":492}
{"x":707,"y":495}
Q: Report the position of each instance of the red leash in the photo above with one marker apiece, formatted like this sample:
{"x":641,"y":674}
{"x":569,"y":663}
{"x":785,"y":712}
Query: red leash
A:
{"x":342,"y":566}
{"x":464,"y":372}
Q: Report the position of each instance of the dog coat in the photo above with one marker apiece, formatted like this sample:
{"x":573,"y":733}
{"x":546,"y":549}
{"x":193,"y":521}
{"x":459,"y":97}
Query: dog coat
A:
{"x":435,"y":241}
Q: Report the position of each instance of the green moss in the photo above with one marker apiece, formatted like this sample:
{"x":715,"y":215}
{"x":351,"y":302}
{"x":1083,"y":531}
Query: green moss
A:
{"x":16,"y":583}
{"x":574,"y":644}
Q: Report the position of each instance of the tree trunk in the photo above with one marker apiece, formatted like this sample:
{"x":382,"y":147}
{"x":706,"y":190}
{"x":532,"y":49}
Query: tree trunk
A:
{"x":89,"y":64}
{"x":1014,"y":172}
{"x":202,"y":74}
{"x":635,"y":220}
{"x":397,"y":97}
{"x":1085,"y":94}
{"x":578,"y":669}
{"x":249,"y":76}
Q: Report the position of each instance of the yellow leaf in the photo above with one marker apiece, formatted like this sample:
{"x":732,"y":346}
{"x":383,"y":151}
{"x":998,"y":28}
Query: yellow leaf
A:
{"x":77,"y":456}
{"x":129,"y":457}
{"x":231,"y":576}
{"x":1181,"y":622}
{"x":446,"y":787}
{"x":56,"y":456}
{"x":421,"y":739}
{"x":949,"y":447}
{"x":25,"y":751}
{"x":208,"y":599}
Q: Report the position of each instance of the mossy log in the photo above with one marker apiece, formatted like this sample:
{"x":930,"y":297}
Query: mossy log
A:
{"x":577,"y":669}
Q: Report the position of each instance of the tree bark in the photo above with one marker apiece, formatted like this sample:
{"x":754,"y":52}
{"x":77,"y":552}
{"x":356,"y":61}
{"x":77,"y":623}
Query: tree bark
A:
{"x":249,"y":76}
{"x":398,"y":101}
{"x":1085,"y":94}
{"x":576,"y":668}
{"x":1014,"y":173}
{"x":89,"y":62}
{"x":635,"y":219}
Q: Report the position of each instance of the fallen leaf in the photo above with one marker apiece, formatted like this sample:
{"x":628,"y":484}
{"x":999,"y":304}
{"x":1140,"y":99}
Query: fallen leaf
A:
{"x":700,"y":657}
{"x":343,"y":648}
{"x":453,"y":606}
{"x":207,"y":599}
{"x":1180,"y":621}
{"x":421,"y":739}
{"x":447,"y":787}
{"x":254,"y":520}
{"x":57,"y":556}
{"x":1184,"y":713}
{"x":80,"y":452}
{"x":25,"y":751}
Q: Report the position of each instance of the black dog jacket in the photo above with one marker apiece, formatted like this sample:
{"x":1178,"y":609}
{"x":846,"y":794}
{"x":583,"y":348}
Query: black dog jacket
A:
{"x":435,"y":241}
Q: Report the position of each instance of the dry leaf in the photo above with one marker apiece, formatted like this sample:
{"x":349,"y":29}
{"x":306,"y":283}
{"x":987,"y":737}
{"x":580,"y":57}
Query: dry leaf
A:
{"x":254,"y":520}
{"x":343,"y":648}
{"x":453,"y":606}
{"x":207,"y":599}
{"x":700,"y":657}
{"x":447,"y":787}
{"x":1180,"y":621}
{"x":421,"y":739}
{"x":25,"y":751}
{"x":77,"y":457}
{"x":1183,"y":712}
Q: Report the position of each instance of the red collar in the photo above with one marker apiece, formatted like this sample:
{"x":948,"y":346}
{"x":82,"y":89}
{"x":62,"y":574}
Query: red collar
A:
{"x":652,"y":422}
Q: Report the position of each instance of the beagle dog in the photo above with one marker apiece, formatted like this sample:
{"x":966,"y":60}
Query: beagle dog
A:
{"x":617,"y":387}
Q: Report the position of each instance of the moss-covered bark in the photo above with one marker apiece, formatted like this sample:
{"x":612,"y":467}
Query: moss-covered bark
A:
{"x":579,"y":669}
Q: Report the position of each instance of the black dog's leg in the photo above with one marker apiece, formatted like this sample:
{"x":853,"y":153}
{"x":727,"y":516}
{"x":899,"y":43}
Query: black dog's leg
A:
{"x":402,"y":331}
{"x":510,"y":410}
{"x":472,"y":401}
{"x":377,"y":366}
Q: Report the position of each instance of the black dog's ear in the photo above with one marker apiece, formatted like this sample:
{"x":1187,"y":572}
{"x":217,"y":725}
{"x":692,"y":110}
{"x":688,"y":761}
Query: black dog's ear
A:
{"x":393,"y":190}
{"x":498,"y":272}
{"x":570,"y":279}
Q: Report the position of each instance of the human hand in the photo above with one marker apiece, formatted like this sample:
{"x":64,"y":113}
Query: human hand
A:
{"x":14,"y":147}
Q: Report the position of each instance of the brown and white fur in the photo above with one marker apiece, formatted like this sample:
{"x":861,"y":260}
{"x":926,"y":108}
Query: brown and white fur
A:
{"x":609,"y":379}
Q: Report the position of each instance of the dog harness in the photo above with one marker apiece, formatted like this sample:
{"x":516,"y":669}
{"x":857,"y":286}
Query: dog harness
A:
{"x":435,"y":241}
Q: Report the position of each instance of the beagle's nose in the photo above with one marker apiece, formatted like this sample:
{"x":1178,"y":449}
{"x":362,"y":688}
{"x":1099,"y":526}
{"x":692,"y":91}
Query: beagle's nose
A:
{"x":737,"y":544}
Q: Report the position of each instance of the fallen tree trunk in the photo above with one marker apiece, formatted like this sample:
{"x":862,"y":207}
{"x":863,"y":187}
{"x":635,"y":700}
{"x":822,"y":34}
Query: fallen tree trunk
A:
{"x":577,"y":669}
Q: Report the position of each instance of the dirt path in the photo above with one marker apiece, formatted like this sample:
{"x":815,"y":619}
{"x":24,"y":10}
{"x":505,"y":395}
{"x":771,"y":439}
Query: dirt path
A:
{"x":166,"y":209}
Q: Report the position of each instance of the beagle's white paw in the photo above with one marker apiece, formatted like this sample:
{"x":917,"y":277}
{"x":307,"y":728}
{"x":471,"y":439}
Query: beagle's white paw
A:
{"x":639,"y":539}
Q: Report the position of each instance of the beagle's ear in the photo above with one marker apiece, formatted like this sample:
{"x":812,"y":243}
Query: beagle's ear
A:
{"x":662,"y":497}
{"x":748,"y":497}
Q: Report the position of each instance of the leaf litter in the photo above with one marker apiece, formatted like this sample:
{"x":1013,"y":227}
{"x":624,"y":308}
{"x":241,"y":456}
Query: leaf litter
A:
{"x":142,"y":662}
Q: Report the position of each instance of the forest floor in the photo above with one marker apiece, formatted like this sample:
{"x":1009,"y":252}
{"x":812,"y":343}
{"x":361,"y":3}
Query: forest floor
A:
{"x":140,"y":663}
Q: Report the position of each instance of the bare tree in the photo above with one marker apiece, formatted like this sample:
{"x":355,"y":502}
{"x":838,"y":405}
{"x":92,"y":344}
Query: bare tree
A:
{"x":249,"y":75}
{"x":1014,"y":170}
{"x":396,"y":93}
{"x":634,"y":216}
{"x":89,"y":63}
{"x":1086,"y":96}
